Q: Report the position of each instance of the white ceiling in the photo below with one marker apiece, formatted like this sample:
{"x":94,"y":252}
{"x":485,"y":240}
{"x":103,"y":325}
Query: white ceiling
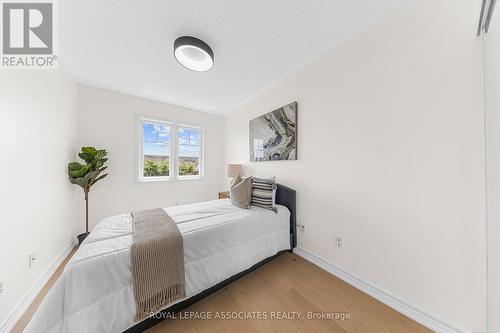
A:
{"x":127,"y":45}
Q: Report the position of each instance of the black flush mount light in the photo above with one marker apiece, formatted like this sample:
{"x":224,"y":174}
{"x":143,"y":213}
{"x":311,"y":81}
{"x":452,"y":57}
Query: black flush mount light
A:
{"x":193,"y":53}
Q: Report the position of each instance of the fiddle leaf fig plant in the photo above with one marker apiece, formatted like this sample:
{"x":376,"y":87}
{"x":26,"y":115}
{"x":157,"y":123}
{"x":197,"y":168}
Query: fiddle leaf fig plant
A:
{"x":86,"y":175}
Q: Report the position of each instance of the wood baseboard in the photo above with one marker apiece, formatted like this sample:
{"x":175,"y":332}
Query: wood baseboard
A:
{"x":408,"y":309}
{"x":19,"y":317}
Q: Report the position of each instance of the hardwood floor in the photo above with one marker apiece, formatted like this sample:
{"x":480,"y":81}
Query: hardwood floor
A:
{"x":291,"y":284}
{"x":283,"y":287}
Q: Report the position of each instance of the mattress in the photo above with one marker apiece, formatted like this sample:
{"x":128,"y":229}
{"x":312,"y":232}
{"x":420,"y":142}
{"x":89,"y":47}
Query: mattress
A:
{"x":95,"y":292}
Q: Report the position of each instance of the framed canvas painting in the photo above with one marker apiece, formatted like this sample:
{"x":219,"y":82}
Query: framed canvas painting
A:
{"x":273,"y":136}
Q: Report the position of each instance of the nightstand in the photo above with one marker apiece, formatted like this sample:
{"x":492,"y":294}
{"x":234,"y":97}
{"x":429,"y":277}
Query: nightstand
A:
{"x":224,"y":195}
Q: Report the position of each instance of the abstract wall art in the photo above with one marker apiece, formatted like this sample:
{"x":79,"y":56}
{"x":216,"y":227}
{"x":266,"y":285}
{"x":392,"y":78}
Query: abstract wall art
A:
{"x":273,"y":136}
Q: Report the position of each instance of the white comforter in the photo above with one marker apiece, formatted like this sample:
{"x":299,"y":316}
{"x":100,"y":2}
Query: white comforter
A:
{"x":95,"y":292}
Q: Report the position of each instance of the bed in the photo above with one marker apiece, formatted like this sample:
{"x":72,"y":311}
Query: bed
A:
{"x":221,"y":243}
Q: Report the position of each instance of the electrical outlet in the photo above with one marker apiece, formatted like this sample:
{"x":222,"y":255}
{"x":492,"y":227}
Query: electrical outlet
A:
{"x":301,"y":227}
{"x":32,"y":259}
{"x":339,"y":241}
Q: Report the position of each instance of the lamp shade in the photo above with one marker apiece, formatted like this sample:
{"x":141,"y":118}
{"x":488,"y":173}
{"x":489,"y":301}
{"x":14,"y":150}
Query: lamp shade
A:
{"x":234,"y":169}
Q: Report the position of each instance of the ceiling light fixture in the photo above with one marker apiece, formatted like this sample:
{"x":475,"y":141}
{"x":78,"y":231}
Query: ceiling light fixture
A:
{"x":193,"y":53}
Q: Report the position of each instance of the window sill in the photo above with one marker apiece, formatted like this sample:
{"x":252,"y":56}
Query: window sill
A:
{"x":168,"y":179}
{"x":189,"y":177}
{"x":153,"y":179}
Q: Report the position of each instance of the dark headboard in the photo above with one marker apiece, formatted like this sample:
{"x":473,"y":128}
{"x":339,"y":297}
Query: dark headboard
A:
{"x":286,"y":196}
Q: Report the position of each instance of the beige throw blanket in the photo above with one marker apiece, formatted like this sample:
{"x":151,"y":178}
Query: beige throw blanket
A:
{"x":157,"y":262}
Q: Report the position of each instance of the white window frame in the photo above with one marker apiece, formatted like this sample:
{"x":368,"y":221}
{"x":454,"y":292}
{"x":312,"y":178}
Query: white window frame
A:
{"x":201,"y":157}
{"x":174,"y":151}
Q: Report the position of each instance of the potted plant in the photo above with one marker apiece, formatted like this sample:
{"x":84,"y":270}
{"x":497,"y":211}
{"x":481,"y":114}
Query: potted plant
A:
{"x":86,"y":175}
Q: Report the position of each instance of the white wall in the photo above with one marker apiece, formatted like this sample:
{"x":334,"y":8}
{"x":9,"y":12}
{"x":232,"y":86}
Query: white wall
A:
{"x":492,"y":85}
{"x":108,"y":120}
{"x":38,"y":132}
{"x":391,"y":157}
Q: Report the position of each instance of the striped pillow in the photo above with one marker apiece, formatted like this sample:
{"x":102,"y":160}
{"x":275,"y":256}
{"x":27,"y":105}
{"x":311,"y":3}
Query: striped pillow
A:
{"x":264,"y":192}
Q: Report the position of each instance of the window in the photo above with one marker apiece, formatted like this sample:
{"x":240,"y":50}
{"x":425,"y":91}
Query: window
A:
{"x":169,"y":151}
{"x":189,"y":148}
